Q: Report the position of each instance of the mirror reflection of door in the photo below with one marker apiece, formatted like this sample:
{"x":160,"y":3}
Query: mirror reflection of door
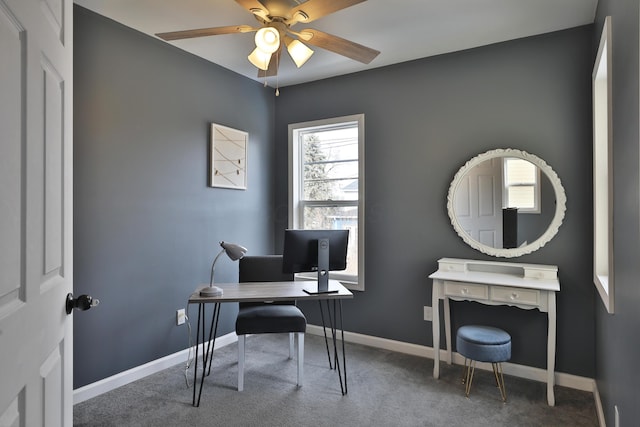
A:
{"x":478,"y":203}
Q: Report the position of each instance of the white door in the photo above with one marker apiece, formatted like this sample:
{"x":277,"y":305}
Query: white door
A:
{"x":478,"y":203}
{"x":36,"y":268}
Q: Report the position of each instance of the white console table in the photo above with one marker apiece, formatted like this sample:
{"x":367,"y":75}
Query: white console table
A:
{"x":527,"y":286}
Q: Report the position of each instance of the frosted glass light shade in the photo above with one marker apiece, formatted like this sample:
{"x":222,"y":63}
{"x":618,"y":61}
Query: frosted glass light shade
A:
{"x":299,"y":52}
{"x":260,"y":59}
{"x":268,"y":39}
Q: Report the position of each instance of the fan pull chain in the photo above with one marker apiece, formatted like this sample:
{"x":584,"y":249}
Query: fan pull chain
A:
{"x":277,"y":82}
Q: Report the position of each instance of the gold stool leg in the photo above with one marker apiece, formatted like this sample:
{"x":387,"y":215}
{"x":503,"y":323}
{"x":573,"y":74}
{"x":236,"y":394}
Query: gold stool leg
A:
{"x":464,"y":371}
{"x":469,"y":377}
{"x":497,"y":372}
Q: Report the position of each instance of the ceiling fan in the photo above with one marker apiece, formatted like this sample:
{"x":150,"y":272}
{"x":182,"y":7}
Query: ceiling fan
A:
{"x":276,"y":18}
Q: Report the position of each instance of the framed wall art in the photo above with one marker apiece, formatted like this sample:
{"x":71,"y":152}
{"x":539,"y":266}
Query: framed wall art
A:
{"x":228,"y":168}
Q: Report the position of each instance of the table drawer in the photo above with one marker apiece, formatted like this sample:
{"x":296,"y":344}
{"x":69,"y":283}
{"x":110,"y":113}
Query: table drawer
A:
{"x":515,"y":295}
{"x":469,"y":290}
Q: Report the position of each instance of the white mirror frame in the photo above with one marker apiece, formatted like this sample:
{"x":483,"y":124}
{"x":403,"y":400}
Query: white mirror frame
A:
{"x":602,"y":170}
{"x":550,"y":232}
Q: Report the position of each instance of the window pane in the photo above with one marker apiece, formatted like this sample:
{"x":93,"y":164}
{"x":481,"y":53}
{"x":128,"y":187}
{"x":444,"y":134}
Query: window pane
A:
{"x":330,"y":189}
{"x":522,"y":197}
{"x":330,"y":164}
{"x":520,"y":171}
{"x":336,"y":218}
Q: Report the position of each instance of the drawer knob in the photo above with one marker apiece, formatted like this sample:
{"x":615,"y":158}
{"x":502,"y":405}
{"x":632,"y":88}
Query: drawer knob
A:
{"x":465,"y":291}
{"x":514,"y":295}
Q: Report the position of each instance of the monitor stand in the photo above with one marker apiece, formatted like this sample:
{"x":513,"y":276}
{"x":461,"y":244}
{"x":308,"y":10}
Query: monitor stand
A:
{"x":323,"y":271}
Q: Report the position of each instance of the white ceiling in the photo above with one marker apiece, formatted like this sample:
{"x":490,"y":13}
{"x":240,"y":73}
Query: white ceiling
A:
{"x":402,"y":30}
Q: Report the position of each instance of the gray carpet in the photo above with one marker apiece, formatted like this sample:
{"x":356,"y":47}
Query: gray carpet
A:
{"x":385,"y":389}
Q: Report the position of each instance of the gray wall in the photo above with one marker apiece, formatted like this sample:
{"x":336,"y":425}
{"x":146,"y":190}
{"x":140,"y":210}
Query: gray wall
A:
{"x":146,"y":224}
{"x":617,"y":339}
{"x":423,"y":120}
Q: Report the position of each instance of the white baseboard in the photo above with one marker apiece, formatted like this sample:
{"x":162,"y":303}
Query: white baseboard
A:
{"x":521,"y":371}
{"x":536,"y":374}
{"x":599,"y":408}
{"x":107,"y":384}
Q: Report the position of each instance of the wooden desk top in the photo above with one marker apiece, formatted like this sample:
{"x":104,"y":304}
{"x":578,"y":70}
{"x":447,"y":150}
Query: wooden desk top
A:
{"x":269,"y":291}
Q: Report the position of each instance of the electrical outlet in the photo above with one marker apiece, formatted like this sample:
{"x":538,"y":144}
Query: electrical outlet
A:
{"x":428,"y":313}
{"x":181,"y":317}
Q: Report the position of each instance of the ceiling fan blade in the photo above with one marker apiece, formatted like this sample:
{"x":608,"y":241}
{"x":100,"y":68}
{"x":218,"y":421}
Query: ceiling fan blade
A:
{"x":316,"y":9}
{"x":339,"y":45}
{"x":203,"y":32}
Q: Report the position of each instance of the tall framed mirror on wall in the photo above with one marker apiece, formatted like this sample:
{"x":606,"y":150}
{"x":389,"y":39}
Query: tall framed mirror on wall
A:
{"x":603,"y":171}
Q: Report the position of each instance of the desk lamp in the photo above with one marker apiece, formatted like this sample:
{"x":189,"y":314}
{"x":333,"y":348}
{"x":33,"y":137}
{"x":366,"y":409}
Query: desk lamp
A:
{"x":233,"y":251}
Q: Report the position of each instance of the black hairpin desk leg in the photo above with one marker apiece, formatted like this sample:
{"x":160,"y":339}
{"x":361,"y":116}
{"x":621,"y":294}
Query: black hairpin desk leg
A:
{"x":333,"y":325}
{"x":195,"y":368}
{"x":324,"y":330}
{"x":207,"y":349}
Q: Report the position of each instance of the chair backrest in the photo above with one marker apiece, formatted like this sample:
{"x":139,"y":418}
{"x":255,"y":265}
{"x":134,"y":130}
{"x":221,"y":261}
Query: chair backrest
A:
{"x":262,"y":268}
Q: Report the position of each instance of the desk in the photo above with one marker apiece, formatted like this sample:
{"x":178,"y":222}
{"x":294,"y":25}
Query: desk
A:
{"x":526,"y":286}
{"x":266,"y":291}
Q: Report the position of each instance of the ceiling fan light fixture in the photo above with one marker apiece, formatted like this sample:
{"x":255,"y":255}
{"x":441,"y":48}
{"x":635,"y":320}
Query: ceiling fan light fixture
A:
{"x":260,"y":58}
{"x":299,"y":52}
{"x":268,"y":39}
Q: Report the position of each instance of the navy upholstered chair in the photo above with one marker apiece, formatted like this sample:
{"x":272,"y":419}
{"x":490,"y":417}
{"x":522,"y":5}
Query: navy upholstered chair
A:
{"x":484,"y":344}
{"x":266,"y":318}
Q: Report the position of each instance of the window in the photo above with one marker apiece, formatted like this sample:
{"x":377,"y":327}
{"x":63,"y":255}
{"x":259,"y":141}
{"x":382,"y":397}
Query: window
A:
{"x":326,"y":184}
{"x":603,"y":274}
{"x":521,"y":185}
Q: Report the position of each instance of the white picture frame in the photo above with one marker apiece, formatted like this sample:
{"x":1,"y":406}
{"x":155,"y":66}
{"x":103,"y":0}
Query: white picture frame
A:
{"x":228,"y":157}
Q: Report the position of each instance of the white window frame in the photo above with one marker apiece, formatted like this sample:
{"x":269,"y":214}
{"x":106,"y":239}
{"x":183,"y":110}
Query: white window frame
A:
{"x":296,"y":204}
{"x":535,"y":185}
{"x":602,"y":89}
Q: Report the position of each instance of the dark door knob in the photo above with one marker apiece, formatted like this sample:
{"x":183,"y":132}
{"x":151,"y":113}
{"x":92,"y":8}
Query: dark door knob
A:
{"x":83,"y":302}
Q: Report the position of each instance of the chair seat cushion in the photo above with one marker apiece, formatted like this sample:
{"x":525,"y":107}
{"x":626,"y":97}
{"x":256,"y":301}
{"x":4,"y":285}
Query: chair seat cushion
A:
{"x":483,"y":343}
{"x":270,"y":318}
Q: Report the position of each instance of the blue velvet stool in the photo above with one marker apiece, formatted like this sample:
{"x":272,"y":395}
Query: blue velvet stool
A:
{"x":483,"y":344}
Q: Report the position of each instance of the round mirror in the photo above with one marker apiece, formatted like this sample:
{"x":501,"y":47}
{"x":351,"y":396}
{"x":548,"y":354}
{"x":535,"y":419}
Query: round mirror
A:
{"x":506,"y":203}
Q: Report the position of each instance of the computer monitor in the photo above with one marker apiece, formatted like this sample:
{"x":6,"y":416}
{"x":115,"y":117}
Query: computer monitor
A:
{"x":315,"y":250}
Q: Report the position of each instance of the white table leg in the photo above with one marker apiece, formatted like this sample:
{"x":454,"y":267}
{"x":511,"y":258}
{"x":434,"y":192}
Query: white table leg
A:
{"x":551,"y":349}
{"x":435,"y":324}
{"x":447,"y":328}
